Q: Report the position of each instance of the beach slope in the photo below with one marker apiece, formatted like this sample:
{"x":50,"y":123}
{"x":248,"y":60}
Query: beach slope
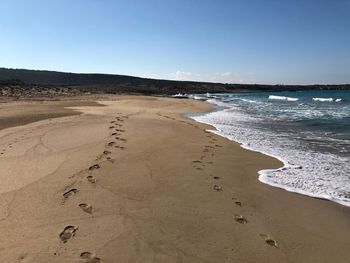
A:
{"x":134,"y":181}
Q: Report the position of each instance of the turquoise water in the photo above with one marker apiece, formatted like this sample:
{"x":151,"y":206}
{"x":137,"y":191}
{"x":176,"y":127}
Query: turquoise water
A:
{"x":309,"y":131}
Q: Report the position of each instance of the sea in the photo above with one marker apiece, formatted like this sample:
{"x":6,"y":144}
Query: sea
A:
{"x":309,"y":131}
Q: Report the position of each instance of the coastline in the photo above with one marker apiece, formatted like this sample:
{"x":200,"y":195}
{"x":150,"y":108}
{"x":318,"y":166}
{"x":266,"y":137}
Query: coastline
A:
{"x":265,"y":175}
{"x":165,"y":191}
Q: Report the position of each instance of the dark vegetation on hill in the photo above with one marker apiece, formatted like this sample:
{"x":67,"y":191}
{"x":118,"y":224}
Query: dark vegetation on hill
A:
{"x":21,"y":82}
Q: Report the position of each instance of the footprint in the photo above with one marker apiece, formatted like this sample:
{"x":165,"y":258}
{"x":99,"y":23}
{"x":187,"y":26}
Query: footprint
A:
{"x":120,"y":139}
{"x":67,"y":233}
{"x":111,"y":143}
{"x":208,"y":149}
{"x":237,"y":202}
{"x":111,"y":127}
{"x":25,"y":258}
{"x":119,"y":130}
{"x":85,"y":255}
{"x":106,"y":152}
{"x":217,"y":187}
{"x":87,"y":208}
{"x":91,"y":179}
{"x":120,"y":147}
{"x":197,"y":161}
{"x":70,"y":193}
{"x":241,"y":219}
{"x":112,"y":122}
{"x":90,"y":257}
{"x":94,"y":167}
{"x":271,"y":242}
{"x":216,"y":177}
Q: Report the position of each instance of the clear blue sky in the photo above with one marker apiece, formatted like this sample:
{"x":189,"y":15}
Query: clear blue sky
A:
{"x":249,"y":41}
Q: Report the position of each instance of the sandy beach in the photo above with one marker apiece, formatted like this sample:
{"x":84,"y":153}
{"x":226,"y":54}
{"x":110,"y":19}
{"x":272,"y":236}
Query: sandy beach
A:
{"x":129,"y":179}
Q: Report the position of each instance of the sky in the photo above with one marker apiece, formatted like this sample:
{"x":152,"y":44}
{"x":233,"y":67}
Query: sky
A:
{"x":229,"y":41}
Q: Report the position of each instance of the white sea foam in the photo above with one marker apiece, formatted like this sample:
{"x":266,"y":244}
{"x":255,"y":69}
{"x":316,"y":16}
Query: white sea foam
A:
{"x":180,"y":95}
{"x":274,"y":97}
{"x":251,"y":101}
{"x":208,"y":95}
{"x":307,"y":172}
{"x":323,"y":99}
{"x":327,"y":99}
{"x":196,"y":97}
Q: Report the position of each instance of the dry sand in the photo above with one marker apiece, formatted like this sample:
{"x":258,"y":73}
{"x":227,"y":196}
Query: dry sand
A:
{"x":135,"y":182}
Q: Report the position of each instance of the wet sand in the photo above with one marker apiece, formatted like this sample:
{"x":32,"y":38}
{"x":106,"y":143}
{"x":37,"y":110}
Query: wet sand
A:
{"x":135,"y":182}
{"x":24,"y":112}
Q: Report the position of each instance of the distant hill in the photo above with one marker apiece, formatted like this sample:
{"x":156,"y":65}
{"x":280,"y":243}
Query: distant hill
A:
{"x":121,"y":83}
{"x":44,"y":77}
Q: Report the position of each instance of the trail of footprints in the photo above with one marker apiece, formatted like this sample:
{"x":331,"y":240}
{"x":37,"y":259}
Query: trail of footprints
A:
{"x":206,"y":159}
{"x":116,"y":133}
{"x":208,"y":154}
{"x":182,"y":121}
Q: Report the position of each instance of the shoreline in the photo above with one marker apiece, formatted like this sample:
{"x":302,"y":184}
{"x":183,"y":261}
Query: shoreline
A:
{"x":263,"y":174}
{"x":164,"y":190}
{"x":72,"y":104}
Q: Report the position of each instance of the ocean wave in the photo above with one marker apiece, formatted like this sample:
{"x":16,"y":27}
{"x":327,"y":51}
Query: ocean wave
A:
{"x":180,"y":95}
{"x":197,"y":97}
{"x":316,"y":174}
{"x":274,"y":97}
{"x":326,"y":99}
{"x":251,"y":101}
{"x":208,"y":95}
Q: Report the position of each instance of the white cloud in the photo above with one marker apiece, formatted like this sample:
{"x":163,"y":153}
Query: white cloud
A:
{"x":185,"y":75}
{"x":225,"y":74}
